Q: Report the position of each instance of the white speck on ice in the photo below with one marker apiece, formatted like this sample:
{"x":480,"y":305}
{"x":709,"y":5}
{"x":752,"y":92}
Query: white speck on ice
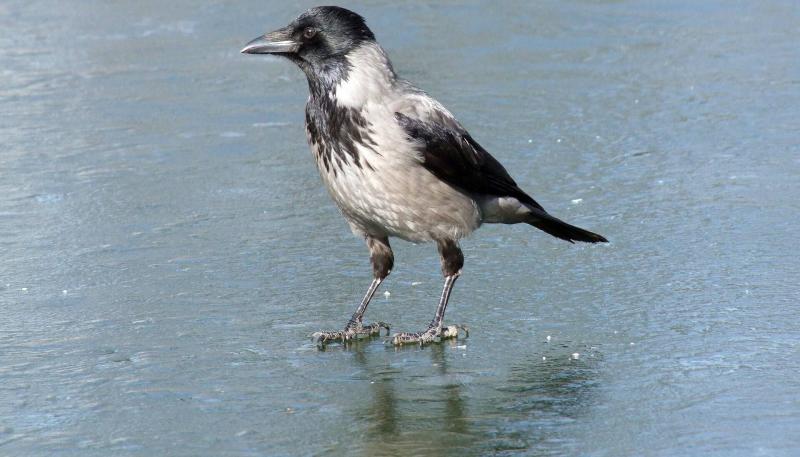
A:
{"x":530,"y":141}
{"x":24,"y":289}
{"x":549,"y":338}
{"x":386,"y":294}
{"x":463,"y":347}
{"x":575,"y":201}
{"x":632,"y":343}
{"x":231,"y":134}
{"x":544,"y":358}
{"x":575,"y":356}
{"x":416,"y":283}
{"x":558,"y":140}
{"x":64,"y":292}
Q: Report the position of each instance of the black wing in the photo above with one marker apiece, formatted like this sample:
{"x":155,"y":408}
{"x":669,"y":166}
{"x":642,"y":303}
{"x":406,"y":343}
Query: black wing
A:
{"x":450,"y":153}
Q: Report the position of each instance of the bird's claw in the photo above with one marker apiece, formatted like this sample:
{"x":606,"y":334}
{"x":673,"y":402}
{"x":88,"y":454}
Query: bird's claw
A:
{"x":352,"y":332}
{"x":432,"y":335}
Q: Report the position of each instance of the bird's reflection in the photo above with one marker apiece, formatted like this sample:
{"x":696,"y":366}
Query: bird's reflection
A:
{"x":427,"y":402}
{"x":382,"y":409}
{"x":455,"y":411}
{"x":416,"y":405}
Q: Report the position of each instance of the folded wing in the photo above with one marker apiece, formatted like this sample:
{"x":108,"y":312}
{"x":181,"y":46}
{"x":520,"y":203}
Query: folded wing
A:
{"x":450,"y":153}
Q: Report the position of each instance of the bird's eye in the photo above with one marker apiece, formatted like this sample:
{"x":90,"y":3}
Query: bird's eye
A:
{"x":309,"y":33}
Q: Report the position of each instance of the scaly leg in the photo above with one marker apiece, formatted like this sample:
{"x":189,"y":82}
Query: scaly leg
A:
{"x":355,"y":328}
{"x":382,"y":260}
{"x":452,"y":261}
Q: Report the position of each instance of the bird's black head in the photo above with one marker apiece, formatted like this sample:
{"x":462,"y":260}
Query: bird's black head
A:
{"x":319,"y":35}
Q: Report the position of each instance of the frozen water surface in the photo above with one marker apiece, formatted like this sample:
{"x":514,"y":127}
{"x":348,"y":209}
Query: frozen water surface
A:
{"x":167,"y":245}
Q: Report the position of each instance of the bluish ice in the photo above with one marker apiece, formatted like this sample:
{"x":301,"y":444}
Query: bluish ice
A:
{"x":166,"y":245}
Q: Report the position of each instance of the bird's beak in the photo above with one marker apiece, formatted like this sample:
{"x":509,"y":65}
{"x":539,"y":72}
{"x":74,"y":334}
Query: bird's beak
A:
{"x":277,"y":42}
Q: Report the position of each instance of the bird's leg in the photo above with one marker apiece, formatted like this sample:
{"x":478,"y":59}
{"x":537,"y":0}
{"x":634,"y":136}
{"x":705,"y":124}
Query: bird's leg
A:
{"x":355,"y":328}
{"x":452,"y":262}
{"x":436,"y":330}
{"x":382,"y":260}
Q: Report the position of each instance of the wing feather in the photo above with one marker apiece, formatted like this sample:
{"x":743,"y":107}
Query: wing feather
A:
{"x":450,"y":153}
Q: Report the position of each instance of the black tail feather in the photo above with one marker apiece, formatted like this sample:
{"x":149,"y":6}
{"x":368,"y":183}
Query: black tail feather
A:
{"x":560,"y":229}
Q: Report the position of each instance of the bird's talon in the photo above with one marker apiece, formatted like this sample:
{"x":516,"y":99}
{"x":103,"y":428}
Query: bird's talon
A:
{"x":383,"y":325}
{"x":429,"y":336}
{"x":354,"y":332}
{"x":322,"y":338}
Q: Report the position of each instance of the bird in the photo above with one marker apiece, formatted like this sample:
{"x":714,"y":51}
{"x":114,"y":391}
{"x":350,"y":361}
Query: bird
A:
{"x":395,"y":161}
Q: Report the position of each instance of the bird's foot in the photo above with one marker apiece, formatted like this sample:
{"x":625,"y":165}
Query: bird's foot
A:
{"x":354,"y":331}
{"x":432,"y":335}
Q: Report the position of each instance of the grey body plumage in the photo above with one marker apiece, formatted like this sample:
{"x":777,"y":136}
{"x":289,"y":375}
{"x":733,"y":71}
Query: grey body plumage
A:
{"x":395,"y":161}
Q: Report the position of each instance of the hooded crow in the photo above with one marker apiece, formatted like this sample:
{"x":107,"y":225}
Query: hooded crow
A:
{"x":395,"y":161}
